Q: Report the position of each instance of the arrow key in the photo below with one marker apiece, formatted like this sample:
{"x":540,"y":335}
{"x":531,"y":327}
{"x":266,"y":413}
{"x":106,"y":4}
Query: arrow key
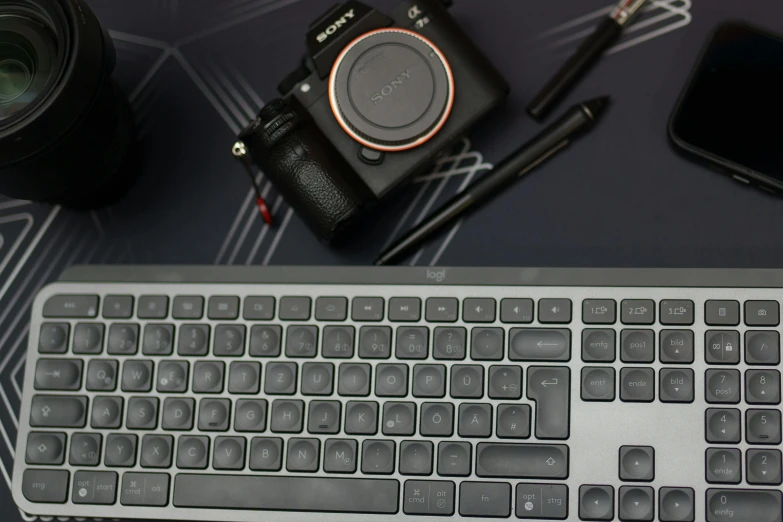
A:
{"x":675,"y":505}
{"x":596,"y":502}
{"x":637,"y":463}
{"x":636,"y":504}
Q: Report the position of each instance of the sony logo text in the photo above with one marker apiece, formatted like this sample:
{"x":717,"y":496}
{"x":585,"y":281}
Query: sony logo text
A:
{"x":335,"y":26}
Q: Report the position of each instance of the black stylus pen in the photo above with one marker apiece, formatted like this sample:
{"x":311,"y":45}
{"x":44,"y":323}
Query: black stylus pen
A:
{"x":578,"y":120}
{"x":584,"y":58}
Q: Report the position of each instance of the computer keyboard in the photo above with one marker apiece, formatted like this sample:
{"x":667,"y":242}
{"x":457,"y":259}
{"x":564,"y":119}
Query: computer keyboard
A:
{"x":379,"y":394}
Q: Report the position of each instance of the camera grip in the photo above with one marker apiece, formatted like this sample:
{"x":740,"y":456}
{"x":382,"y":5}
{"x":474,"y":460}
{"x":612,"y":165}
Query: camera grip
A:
{"x":312,"y":177}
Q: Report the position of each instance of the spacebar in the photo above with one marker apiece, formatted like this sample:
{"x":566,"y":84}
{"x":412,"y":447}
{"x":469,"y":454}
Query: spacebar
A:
{"x":287,"y":493}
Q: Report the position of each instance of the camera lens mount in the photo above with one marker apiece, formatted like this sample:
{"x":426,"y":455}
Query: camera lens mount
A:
{"x":391,"y":89}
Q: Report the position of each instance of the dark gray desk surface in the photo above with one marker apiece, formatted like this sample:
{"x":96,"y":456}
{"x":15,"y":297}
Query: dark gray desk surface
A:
{"x":197,"y":71}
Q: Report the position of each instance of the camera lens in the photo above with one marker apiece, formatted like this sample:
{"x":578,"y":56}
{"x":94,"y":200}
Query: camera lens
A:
{"x":66,"y":131}
{"x":391,"y":89}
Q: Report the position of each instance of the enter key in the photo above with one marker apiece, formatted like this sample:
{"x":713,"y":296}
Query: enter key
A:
{"x":550,"y":387}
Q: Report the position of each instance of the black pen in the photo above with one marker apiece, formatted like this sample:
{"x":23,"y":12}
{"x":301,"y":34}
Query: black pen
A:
{"x":584,"y":58}
{"x":578,"y":120}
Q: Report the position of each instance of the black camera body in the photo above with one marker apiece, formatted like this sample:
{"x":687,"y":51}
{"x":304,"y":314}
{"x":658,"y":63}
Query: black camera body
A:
{"x":375,"y":101}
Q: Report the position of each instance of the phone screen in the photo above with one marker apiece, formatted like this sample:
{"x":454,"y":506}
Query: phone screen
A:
{"x":733,"y":107}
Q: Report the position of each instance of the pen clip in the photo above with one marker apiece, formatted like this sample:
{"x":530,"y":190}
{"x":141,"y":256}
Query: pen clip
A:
{"x":626,"y":11}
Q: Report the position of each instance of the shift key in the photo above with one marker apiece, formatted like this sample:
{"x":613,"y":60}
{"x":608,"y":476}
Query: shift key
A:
{"x":550,"y":387}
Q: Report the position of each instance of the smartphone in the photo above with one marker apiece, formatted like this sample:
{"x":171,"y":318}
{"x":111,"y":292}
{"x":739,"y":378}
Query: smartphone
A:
{"x":730,"y":114}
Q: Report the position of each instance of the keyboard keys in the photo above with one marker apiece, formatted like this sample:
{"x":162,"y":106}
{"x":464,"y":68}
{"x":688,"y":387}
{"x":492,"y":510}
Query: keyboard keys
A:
{"x":762,"y":313}
{"x":101,"y":375}
{"x":636,"y":504}
{"x":449,"y":343}
{"x":172,"y":377}
{"x":598,"y":384}
{"x":677,"y":312}
{"x":328,"y":308}
{"x":487,"y":344}
{"x":637,"y":346}
{"x":762,"y":387}
{"x":485,"y":499}
{"x":550,"y":387}
{"x":324,"y":417}
{"x":259,"y":308}
{"x":284,"y":493}
{"x":250,"y":415}
{"x":192,"y":452}
{"x":187,"y":307}
{"x":724,"y":466}
{"x":229,"y":453}
{"x":301,"y":341}
{"x":367,"y":309}
{"x":637,"y":311}
{"x":454,"y":459}
{"x":637,"y":385}
{"x":599,"y":311}
{"x":120,"y":450}
{"x":317,"y":379}
{"x":158,"y":339}
{"x":375,"y":342}
{"x":637,"y":463}
{"x":554,"y":311}
{"x":229,"y":340}
{"x":123,"y":339}
{"x":404,"y":309}
{"x":505,"y":382}
{"x":412,"y":343}
{"x":338,"y":342}
{"x":729,"y":505}
{"x":516,"y":311}
{"x":542,"y":501}
{"x":677,"y":385}
{"x":467,"y":382}
{"x":521,"y":461}
{"x":415,"y":458}
{"x":45,"y":448}
{"x":762,"y":426}
{"x":156,"y":451}
{"x":45,"y":486}
{"x":539,"y":344}
{"x":58,"y":411}
{"x":88,"y":338}
{"x":361,"y":418}
{"x":286,"y":416}
{"x":53,"y":338}
{"x":118,"y":307}
{"x":354,"y":380}
{"x":378,"y":457}
{"x":58,"y":374}
{"x":722,"y":347}
{"x":677,"y":347}
{"x":596,"y":502}
{"x":723,"y":426}
{"x":429,"y":380}
{"x":722,"y":313}
{"x":598,"y":345}
{"x":442,"y":310}
{"x":294,"y":308}
{"x":71,"y":306}
{"x":106,"y":412}
{"x":145,"y":489}
{"x":142,"y":413}
{"x":763,"y":467}
{"x":85,"y":449}
{"x":213,"y":414}
{"x":478,"y":310}
{"x":223,"y":307}
{"x":340,"y":456}
{"x":676,"y":505}
{"x":208,"y":376}
{"x":94,"y":487}
{"x":265,"y":340}
{"x":475,"y":420}
{"x":391,"y":380}
{"x":428,"y":497}
{"x":303,"y":455}
{"x":153,"y":307}
{"x":437,"y":419}
{"x":178,"y":414}
{"x":722,"y":386}
{"x":762,"y":348}
{"x":399,"y":418}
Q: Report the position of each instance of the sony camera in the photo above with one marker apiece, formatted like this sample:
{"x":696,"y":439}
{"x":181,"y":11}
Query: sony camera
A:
{"x":374,"y":102}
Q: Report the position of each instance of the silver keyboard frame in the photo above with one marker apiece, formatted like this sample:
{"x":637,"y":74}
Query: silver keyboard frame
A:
{"x":597,"y":429}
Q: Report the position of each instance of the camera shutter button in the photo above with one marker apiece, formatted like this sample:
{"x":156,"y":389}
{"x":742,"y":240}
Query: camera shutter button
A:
{"x":391,"y":89}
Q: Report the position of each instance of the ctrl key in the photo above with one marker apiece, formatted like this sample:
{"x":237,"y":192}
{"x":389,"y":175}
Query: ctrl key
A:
{"x":45,"y":486}
{"x":537,"y":501}
{"x":94,"y":487}
{"x":428,"y":497}
{"x":732,"y":505}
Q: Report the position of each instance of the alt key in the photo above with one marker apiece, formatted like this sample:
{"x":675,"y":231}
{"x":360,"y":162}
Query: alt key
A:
{"x":537,"y":501}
